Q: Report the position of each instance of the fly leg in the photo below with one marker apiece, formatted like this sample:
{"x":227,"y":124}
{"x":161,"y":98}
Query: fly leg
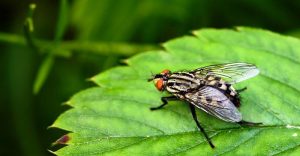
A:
{"x":241,"y":90}
{"x":192,"y":107}
{"x":246,"y":123}
{"x":165,"y":102}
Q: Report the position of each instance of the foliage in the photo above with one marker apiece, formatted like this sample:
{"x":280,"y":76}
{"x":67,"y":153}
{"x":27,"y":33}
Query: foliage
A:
{"x":113,"y":118}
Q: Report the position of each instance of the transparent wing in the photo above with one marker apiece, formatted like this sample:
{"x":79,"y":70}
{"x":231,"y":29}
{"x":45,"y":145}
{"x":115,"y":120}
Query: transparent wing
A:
{"x":214,"y":102}
{"x":231,"y":72}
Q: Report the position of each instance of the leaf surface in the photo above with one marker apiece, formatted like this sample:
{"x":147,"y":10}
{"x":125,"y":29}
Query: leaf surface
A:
{"x":113,"y":118}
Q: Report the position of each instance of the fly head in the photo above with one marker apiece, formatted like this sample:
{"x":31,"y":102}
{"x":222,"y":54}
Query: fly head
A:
{"x":160,"y":79}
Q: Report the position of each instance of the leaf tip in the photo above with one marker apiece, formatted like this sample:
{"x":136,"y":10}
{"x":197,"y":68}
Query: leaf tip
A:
{"x":125,"y":61}
{"x":91,"y":79}
{"x":194,"y":32}
{"x":52,"y":152}
{"x":164,"y":44}
{"x":62,"y":140}
{"x":68,"y":103}
{"x":51,"y":126}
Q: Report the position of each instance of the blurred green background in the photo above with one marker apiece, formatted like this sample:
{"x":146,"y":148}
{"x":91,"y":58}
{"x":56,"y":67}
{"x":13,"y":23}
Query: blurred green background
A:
{"x":74,"y":40}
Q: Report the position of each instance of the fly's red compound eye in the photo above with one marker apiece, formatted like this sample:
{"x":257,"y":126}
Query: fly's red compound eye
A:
{"x":164,"y":72}
{"x":159,"y":83}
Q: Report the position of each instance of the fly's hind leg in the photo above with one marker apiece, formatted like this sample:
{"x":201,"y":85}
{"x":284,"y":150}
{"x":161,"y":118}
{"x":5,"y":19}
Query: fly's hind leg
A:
{"x":192,"y":107}
{"x":241,"y":90}
{"x":246,"y":123}
{"x":165,"y":102}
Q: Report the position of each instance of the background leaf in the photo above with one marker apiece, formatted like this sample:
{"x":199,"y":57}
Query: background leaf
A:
{"x":48,"y":61}
{"x":113,"y":118}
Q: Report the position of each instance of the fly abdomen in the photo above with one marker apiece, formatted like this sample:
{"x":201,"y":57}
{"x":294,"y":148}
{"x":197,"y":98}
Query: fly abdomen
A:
{"x":225,"y":88}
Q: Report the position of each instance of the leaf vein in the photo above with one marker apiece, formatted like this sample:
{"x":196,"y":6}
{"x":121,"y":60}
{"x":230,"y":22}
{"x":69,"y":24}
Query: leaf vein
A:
{"x":239,"y":144}
{"x":195,"y":145}
{"x":287,"y":149}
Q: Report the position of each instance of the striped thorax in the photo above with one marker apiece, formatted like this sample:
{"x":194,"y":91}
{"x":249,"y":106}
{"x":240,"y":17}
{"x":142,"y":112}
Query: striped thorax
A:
{"x":182,"y":82}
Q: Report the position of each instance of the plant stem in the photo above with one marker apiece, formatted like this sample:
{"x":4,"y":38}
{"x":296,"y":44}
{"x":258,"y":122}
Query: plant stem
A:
{"x":101,"y":48}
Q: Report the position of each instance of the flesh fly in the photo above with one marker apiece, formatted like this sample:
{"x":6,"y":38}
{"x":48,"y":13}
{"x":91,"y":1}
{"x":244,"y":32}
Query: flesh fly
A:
{"x":209,"y":89}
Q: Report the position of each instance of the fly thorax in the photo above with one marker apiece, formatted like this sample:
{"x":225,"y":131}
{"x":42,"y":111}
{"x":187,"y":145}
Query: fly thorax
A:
{"x":181,"y":82}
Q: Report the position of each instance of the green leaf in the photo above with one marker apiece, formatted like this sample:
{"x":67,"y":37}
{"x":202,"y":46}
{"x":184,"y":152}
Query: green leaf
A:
{"x":43,"y":73}
{"x":113,"y":118}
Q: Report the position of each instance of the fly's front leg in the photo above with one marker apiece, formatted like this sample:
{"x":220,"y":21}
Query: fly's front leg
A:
{"x":192,"y":107}
{"x":165,"y":102}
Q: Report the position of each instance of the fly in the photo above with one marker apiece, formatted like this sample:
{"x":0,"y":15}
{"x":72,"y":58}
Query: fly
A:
{"x":209,"y":89}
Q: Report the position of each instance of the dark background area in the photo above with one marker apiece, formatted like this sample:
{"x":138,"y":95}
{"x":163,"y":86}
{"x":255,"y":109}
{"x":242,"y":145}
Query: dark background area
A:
{"x":25,"y":116}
